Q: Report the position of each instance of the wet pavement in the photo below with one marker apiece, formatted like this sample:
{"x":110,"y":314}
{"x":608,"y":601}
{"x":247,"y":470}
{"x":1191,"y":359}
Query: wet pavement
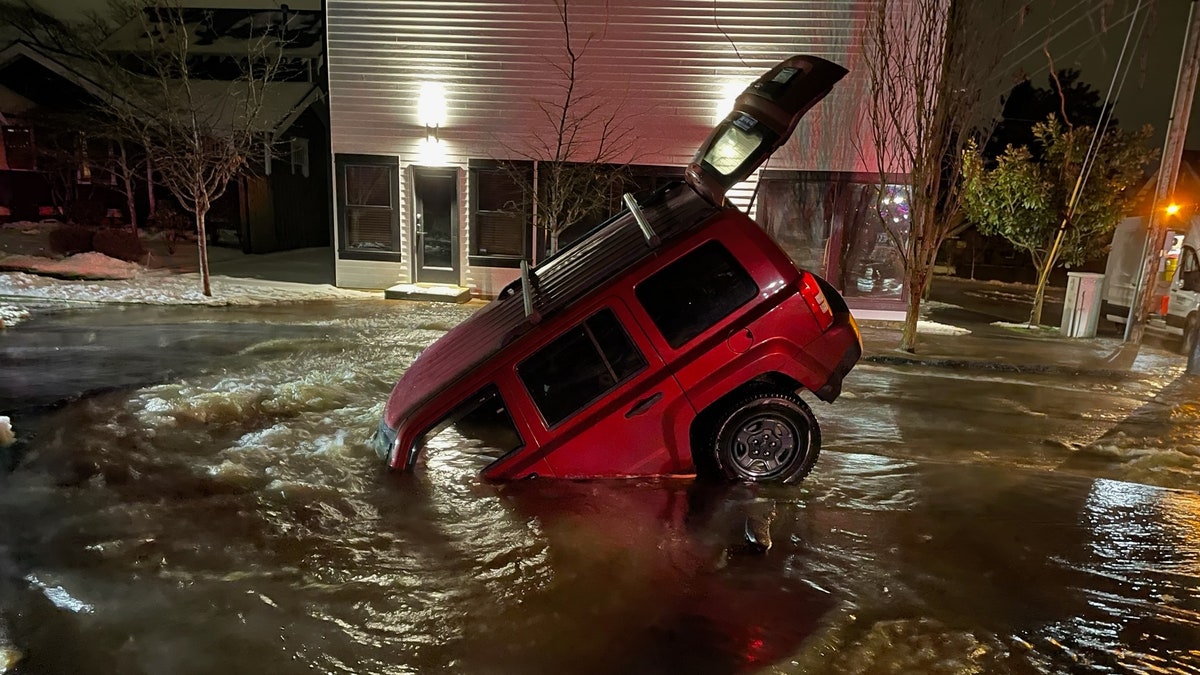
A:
{"x":195,"y":494}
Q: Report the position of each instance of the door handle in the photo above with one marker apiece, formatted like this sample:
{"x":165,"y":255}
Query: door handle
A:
{"x":643,"y":405}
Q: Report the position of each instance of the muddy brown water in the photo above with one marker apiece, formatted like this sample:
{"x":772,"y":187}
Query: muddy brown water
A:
{"x":195,"y":495}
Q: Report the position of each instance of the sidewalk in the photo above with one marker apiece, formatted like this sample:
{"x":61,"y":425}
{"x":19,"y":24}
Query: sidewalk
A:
{"x":996,"y":348}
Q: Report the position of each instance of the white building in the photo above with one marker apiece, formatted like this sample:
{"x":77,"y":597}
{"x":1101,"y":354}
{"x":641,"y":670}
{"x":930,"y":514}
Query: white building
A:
{"x":428,"y":98}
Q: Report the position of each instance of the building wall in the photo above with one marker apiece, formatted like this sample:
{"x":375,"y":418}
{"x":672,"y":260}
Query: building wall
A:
{"x":663,"y":66}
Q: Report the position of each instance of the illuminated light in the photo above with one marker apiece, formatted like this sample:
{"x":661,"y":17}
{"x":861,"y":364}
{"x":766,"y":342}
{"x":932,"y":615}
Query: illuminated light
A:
{"x":899,"y":199}
{"x":895,"y":220}
{"x":431,"y":152}
{"x":887,"y":200}
{"x":431,"y":104}
{"x":1172,"y":209}
{"x":729,"y":93}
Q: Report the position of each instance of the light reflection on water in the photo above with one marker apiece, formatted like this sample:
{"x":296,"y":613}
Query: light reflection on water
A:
{"x":233,"y":519}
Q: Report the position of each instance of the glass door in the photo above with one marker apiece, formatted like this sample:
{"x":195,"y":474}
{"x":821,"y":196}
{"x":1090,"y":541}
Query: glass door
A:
{"x":435,"y":225}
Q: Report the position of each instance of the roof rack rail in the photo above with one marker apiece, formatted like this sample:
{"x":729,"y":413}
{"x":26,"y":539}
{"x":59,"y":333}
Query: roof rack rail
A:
{"x":528,"y":288}
{"x":652,"y":239}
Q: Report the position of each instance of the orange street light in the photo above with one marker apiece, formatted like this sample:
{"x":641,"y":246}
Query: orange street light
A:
{"x":1172,"y":209}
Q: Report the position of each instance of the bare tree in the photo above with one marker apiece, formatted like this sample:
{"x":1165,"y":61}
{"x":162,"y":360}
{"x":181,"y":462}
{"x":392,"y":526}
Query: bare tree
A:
{"x":198,"y":134}
{"x":934,"y":87}
{"x":581,"y":147}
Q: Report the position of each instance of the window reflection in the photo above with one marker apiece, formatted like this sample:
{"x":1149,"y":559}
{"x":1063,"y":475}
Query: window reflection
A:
{"x":842,"y":226}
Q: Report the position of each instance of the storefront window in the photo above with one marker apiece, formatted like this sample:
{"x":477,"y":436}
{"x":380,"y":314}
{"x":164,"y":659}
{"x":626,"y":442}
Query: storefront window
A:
{"x":841,"y":226}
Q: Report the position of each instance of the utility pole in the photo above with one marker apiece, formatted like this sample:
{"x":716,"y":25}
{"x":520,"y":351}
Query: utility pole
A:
{"x":1168,"y":172}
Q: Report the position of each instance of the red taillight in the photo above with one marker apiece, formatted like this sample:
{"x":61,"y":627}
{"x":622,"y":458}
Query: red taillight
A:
{"x":816,"y":300}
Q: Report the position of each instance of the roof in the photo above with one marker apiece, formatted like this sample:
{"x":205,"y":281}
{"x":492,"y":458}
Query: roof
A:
{"x":283,"y":102}
{"x":613,"y":248}
{"x":217,"y":30}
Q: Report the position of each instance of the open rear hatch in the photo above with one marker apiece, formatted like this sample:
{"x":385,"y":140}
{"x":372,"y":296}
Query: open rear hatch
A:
{"x":762,"y":120}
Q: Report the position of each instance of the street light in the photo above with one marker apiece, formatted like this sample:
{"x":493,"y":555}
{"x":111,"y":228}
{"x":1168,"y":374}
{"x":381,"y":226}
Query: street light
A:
{"x":1172,"y":209}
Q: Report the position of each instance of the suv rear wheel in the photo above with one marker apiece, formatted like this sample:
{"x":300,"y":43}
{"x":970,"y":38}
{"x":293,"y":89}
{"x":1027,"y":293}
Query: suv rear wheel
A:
{"x":767,"y":436}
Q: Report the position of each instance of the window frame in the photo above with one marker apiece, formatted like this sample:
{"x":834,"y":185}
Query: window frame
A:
{"x":392,"y":163}
{"x":595,"y":343}
{"x":32,"y":148}
{"x":474,"y":168}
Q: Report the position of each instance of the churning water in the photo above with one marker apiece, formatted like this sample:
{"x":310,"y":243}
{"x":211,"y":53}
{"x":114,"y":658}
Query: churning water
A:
{"x":195,"y":494}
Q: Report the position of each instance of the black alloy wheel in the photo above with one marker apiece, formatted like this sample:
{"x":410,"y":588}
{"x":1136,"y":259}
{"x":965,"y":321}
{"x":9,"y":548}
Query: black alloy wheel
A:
{"x":768,"y":436}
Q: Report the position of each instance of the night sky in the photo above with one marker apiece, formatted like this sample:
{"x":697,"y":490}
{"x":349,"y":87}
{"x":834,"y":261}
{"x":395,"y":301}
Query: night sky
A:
{"x":1088,"y":36}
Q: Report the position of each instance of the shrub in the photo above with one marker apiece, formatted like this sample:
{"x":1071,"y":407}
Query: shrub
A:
{"x":173,"y":224}
{"x":71,"y":239}
{"x":120,"y":244}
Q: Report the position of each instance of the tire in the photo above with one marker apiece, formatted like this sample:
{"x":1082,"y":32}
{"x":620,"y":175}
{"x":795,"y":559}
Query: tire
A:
{"x":767,"y":437}
{"x":1189,"y":331}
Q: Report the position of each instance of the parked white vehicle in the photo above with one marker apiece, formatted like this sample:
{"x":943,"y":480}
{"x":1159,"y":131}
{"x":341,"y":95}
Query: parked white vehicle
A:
{"x":1178,"y":277}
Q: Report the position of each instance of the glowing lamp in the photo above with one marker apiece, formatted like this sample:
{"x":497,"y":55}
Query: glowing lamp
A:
{"x":1172,"y":209}
{"x":431,"y":108}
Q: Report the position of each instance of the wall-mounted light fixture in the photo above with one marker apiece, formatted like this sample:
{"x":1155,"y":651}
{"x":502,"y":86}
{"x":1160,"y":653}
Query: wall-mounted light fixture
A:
{"x":729,"y":93}
{"x":431,"y":108}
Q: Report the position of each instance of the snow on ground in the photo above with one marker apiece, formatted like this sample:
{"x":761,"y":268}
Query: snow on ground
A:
{"x":90,"y":265}
{"x":11,"y":315}
{"x":1025,"y":326}
{"x":160,"y":288}
{"x":935,"y":328}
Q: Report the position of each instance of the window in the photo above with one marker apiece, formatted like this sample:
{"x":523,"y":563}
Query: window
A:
{"x":18,"y":149}
{"x":483,"y":418}
{"x":842,"y":226}
{"x":580,"y":366}
{"x":298,"y":151}
{"x":368,"y":189}
{"x":500,"y":214}
{"x":695,"y":292}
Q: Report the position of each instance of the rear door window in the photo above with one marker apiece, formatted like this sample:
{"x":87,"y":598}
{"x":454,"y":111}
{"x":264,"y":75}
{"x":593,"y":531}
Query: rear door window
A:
{"x":694,"y":293}
{"x":580,"y":366}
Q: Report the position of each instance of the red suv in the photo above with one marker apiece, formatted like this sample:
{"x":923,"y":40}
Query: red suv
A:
{"x":671,"y":340}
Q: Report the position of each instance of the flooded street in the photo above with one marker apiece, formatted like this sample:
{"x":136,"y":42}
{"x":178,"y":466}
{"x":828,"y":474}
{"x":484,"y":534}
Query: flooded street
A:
{"x":195,"y":493}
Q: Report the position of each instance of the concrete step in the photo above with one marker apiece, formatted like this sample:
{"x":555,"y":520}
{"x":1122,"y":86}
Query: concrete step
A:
{"x":428,"y":293}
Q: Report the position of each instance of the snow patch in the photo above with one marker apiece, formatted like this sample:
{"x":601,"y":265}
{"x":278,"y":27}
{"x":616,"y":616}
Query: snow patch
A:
{"x":11,"y":315}
{"x":935,"y":328}
{"x":1025,"y":326}
{"x":90,"y":265}
{"x":158,"y":288}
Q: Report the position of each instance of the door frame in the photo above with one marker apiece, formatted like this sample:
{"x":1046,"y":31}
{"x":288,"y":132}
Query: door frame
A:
{"x":418,"y":272}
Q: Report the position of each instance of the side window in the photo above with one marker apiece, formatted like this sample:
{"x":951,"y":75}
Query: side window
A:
{"x":580,"y":366}
{"x":695,"y":292}
{"x":483,"y":417}
{"x":1189,"y":270}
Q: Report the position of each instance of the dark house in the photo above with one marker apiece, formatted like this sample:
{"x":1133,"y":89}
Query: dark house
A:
{"x":282,"y":204}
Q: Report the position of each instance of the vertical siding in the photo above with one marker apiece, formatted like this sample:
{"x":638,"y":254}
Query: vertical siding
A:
{"x":665,"y":63}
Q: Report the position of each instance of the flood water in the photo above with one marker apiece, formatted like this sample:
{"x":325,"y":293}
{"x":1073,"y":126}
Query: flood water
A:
{"x":195,"y":494}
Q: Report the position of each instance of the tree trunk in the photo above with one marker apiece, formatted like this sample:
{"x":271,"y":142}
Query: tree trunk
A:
{"x":127,"y":177}
{"x":913,"y":290}
{"x":1039,"y":295}
{"x":202,"y":243}
{"x":150,"y":188}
